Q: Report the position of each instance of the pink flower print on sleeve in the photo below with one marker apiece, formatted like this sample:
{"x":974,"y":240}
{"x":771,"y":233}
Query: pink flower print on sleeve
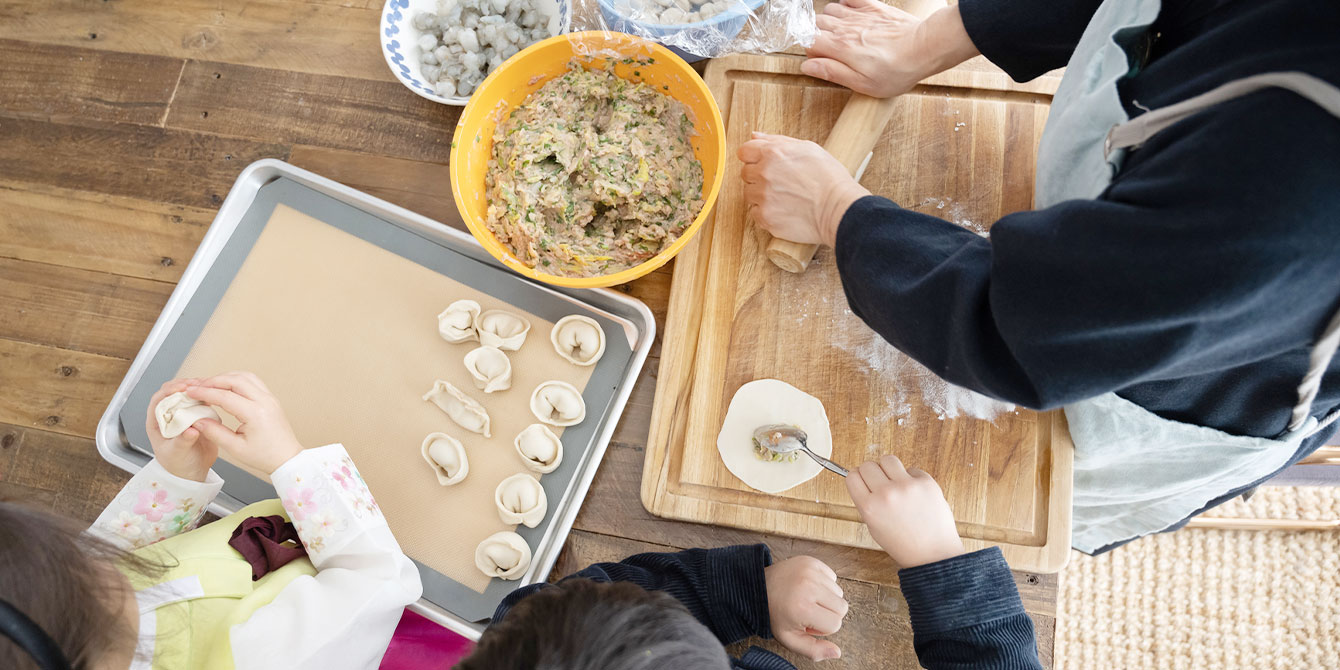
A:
{"x":344,"y":476}
{"x":128,"y":525}
{"x":299,"y":504}
{"x":154,"y":504}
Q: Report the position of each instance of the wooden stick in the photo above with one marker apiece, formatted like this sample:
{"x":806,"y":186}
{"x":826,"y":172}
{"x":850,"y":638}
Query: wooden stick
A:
{"x":852,"y":139}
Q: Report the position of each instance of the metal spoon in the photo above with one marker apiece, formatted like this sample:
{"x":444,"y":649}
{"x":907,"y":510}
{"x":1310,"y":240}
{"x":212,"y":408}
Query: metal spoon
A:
{"x":783,"y":439}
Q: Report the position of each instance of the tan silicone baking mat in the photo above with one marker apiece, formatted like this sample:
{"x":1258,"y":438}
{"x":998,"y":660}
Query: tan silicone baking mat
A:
{"x":345,"y":335}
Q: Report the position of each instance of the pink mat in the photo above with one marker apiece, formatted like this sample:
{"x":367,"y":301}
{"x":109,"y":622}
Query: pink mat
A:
{"x":419,"y":643}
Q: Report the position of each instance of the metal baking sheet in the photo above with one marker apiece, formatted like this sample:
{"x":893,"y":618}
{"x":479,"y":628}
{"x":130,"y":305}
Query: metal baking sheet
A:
{"x":264,"y":185}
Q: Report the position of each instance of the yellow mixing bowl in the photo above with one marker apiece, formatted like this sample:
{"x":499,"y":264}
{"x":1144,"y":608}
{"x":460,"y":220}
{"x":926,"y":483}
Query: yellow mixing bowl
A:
{"x":528,"y":70}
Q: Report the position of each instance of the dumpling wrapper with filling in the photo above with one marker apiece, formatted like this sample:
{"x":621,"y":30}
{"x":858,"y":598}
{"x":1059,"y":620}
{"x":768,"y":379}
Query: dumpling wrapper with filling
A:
{"x":558,"y":404}
{"x":446,"y":456}
{"x":520,"y":499}
{"x":178,"y":411}
{"x":539,"y":448}
{"x":768,"y":401}
{"x":504,"y":555}
{"x":502,"y":329}
{"x":578,"y":339}
{"x":461,"y":408}
{"x":490,"y":368}
{"x":458,"y":321}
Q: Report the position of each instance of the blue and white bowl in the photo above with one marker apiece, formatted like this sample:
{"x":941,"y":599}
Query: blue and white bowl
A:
{"x":399,"y":39}
{"x":719,"y":29}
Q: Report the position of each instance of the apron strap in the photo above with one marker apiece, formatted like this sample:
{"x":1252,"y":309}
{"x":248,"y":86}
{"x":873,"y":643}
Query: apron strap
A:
{"x":1137,"y":131}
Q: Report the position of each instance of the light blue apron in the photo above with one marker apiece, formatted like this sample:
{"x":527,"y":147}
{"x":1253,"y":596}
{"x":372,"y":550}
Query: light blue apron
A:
{"x":1135,"y":472}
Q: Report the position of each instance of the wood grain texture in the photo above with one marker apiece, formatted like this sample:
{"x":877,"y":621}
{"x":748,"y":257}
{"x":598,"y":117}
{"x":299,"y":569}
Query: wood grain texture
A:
{"x":77,"y":309}
{"x":60,"y":473}
{"x":96,"y":231}
{"x":316,"y":38}
{"x":167,"y":166}
{"x":321,"y":110}
{"x":418,"y":186}
{"x":54,"y":389}
{"x":84,"y":86}
{"x":1008,"y":482}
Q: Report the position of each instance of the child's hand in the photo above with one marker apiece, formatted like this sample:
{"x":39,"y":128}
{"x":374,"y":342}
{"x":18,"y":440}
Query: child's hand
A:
{"x":264,"y":441}
{"x":186,"y":455}
{"x":906,"y":512}
{"x":805,"y":601}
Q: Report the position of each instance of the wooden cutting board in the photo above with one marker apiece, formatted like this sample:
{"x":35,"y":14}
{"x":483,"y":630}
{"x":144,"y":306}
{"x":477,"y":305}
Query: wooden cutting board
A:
{"x":961,"y":146}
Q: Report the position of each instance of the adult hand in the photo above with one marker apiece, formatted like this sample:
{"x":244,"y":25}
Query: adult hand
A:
{"x":186,"y":455}
{"x":906,"y":512}
{"x":883,"y":51}
{"x":264,"y":440}
{"x":796,"y":190}
{"x":805,"y":602}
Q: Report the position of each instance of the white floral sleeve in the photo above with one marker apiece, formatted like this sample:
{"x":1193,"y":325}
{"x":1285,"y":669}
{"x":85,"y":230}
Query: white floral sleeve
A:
{"x":344,"y":616}
{"x":155,"y":505}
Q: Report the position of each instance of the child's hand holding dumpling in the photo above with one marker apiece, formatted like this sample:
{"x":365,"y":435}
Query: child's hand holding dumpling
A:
{"x":186,"y":455}
{"x":264,"y":440}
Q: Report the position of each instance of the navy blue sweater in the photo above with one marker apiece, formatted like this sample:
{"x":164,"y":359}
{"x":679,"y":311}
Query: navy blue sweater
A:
{"x":1194,"y":286}
{"x":965,"y":610}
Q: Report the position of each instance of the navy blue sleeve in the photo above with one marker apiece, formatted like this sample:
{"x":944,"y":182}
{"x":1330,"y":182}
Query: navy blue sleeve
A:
{"x":1026,"y":38}
{"x":966,"y":613}
{"x":1209,"y":249}
{"x":723,"y":588}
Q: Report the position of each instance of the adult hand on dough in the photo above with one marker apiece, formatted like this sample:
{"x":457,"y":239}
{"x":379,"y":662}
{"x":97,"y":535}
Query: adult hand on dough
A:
{"x":186,"y":455}
{"x":264,"y":440}
{"x":796,"y":190}
{"x":883,"y":51}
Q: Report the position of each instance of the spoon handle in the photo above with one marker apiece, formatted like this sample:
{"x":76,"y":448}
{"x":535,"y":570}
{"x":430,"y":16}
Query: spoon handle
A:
{"x":825,"y":462}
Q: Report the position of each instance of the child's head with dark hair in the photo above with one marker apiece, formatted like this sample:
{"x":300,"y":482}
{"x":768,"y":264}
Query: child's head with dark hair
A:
{"x":65,"y":581}
{"x":586,"y":625}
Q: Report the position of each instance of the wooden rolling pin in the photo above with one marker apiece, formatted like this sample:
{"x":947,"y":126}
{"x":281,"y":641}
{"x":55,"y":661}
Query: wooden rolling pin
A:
{"x":851,"y":141}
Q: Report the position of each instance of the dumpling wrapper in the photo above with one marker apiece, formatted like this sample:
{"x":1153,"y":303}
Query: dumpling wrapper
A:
{"x":521,"y":499}
{"x":461,"y":408}
{"x":540,"y":449}
{"x":578,"y":339}
{"x":446,"y":455}
{"x":458,"y":322}
{"x":178,"y":411}
{"x":769,"y":401}
{"x":504,"y":555}
{"x":502,"y":329}
{"x":490,"y":368}
{"x":558,"y":404}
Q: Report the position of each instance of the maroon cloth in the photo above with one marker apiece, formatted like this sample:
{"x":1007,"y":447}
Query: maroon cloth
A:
{"x":260,"y":540}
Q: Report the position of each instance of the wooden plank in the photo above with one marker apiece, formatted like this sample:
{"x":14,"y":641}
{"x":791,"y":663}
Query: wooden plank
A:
{"x":169,"y":166}
{"x":418,"y":186}
{"x":60,"y":473}
{"x":317,"y":38}
{"x":54,"y":389}
{"x":96,"y":231}
{"x":273,"y":105}
{"x":86,"y":311}
{"x":84,"y":86}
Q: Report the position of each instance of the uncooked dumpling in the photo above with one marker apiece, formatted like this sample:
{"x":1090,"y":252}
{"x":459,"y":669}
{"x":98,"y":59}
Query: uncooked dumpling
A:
{"x":490,"y":368}
{"x":501,"y":329}
{"x":579,"y":339}
{"x":558,"y":404}
{"x":539,"y":448}
{"x":178,"y":411}
{"x":447,"y":458}
{"x":520,"y":499}
{"x":457,"y":323}
{"x":464,"y":410}
{"x":769,"y":401}
{"x":504,"y":555}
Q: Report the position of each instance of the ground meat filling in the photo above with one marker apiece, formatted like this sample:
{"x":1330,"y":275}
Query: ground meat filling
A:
{"x":592,"y":174}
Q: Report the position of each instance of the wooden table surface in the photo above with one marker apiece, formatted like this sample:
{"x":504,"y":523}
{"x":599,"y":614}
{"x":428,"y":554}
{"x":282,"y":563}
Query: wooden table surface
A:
{"x":122,"y":126}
